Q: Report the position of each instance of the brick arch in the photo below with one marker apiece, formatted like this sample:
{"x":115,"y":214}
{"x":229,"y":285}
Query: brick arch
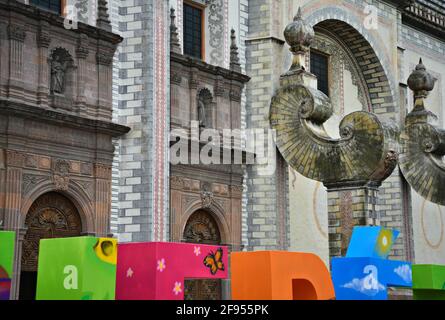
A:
{"x":366,"y":50}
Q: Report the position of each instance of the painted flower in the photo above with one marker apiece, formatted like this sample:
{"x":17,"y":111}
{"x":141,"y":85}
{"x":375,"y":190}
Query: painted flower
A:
{"x":130,"y":273}
{"x":197,"y":251}
{"x":161,"y":265}
{"x":178,"y":288}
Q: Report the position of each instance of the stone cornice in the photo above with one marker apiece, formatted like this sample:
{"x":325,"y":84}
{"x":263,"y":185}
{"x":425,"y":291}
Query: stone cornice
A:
{"x":244,"y":154}
{"x":208,"y":68}
{"x":400,"y":3}
{"x":431,"y":22}
{"x":49,"y":116}
{"x":55,"y":19}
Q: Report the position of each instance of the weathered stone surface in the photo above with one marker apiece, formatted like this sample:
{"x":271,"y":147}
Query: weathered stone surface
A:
{"x":423,"y":143}
{"x":366,"y":152}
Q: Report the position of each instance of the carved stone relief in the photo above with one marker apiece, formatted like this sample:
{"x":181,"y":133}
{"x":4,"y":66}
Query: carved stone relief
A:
{"x":205,"y":106}
{"x":216,"y":27}
{"x":61,"y":78}
{"x":61,"y":176}
{"x":30,"y":181}
{"x":201,"y":227}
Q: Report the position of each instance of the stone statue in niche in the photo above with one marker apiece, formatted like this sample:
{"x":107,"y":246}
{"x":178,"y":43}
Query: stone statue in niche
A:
{"x":58,"y":70}
{"x":204,"y":102}
{"x":201,"y":114}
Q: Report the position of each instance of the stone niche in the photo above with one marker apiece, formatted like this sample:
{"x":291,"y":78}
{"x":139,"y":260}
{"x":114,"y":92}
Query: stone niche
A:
{"x":217,"y":90}
{"x":44,"y":64}
{"x":206,"y":196}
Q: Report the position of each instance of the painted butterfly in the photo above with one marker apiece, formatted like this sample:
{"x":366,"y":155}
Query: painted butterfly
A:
{"x":214,"y":261}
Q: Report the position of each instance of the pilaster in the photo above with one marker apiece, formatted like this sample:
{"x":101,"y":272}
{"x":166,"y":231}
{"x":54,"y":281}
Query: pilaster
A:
{"x":16,"y":36}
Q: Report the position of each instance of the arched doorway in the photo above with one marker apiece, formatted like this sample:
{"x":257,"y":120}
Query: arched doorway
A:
{"x":202,"y":228}
{"x":52,"y":215}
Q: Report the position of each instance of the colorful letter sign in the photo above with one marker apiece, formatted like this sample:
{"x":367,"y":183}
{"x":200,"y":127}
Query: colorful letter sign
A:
{"x":157,"y":270}
{"x":368,"y":278}
{"x":279,"y":275}
{"x":7,"y":241}
{"x":371,"y":242}
{"x":81,"y":268}
{"x":365,"y":273}
{"x":428,"y":282}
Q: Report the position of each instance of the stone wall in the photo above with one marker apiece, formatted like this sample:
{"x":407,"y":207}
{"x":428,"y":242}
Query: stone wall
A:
{"x":143,"y":105}
{"x":267,"y":206}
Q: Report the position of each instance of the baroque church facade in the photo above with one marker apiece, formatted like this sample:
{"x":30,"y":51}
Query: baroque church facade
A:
{"x":94,"y":95}
{"x":362,"y":55}
{"x":56,"y":129}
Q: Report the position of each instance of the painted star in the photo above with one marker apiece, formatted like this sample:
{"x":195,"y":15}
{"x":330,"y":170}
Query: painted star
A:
{"x":129,"y":273}
{"x":197,"y":251}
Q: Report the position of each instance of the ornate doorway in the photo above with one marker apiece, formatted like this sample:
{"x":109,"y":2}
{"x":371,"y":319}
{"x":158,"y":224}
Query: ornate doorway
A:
{"x":52,"y":215}
{"x":202,"y":228}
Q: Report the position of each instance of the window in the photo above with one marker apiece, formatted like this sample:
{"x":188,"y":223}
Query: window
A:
{"x":319,"y":67}
{"x":50,"y":5}
{"x":193,"y":31}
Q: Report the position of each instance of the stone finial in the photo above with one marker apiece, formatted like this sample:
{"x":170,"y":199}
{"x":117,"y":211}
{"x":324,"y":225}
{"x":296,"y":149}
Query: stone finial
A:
{"x":421,"y":82}
{"x":234,"y":58}
{"x":175,"y":46}
{"x":299,"y":36}
{"x":103,"y":21}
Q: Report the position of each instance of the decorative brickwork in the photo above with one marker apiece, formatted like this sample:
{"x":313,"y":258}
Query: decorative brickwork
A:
{"x":142,"y":105}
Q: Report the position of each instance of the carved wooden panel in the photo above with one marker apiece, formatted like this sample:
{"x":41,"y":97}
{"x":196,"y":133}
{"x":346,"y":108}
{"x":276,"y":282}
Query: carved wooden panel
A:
{"x":51,"y":216}
{"x":209,"y":289}
{"x":202,"y":228}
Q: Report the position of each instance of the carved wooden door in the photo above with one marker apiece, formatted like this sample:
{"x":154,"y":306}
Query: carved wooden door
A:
{"x":51,"y":216}
{"x":202,"y":228}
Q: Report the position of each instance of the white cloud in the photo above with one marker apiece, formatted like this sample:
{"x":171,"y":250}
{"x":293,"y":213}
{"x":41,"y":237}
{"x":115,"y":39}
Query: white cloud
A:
{"x":368,"y":285}
{"x":404,"y":272}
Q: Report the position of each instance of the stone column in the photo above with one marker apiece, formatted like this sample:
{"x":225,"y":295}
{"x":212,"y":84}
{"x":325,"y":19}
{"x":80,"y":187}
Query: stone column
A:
{"x":82,"y":51}
{"x":348,"y":207}
{"x":236,"y":192}
{"x":15,"y":285}
{"x":221,"y":92}
{"x":13,"y":201}
{"x":2,"y":187}
{"x":16,"y":35}
{"x":43,"y":41}
{"x":235,"y":106}
{"x":103,"y":199}
{"x":104,"y":60}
